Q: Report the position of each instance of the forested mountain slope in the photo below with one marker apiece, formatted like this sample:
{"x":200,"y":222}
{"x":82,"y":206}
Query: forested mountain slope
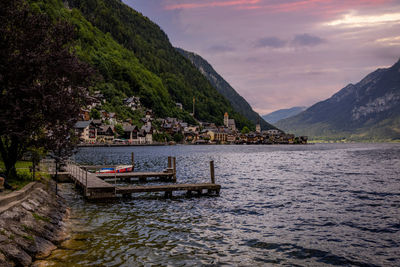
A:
{"x":223,"y":87}
{"x":134,"y":57}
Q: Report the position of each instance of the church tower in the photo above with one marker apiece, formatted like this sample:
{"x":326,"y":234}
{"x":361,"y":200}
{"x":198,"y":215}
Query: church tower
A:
{"x":258,"y":127}
{"x":226,"y":119}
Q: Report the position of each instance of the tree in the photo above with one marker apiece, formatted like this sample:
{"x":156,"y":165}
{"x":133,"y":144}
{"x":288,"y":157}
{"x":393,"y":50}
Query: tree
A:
{"x":178,"y":137}
{"x":95,"y":114}
{"x":245,"y":130}
{"x":42,"y":84}
{"x":119,"y":129}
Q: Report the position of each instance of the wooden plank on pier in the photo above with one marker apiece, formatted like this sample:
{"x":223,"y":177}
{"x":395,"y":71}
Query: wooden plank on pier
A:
{"x":96,"y":167}
{"x":167,"y":188}
{"x":78,"y":175}
{"x":134,"y":174}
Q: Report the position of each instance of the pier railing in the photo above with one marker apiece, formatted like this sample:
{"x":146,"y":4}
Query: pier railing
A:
{"x":94,"y":187}
{"x":79,"y":173}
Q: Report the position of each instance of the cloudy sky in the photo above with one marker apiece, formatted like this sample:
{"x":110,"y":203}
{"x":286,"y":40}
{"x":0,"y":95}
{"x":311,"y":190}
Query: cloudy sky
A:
{"x":283,"y":53}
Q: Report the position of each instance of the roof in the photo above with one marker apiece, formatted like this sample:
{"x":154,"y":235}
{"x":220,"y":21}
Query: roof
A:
{"x":142,"y":132}
{"x":82,"y":124}
{"x":105,"y":128}
{"x":146,"y":128}
{"x":97,"y":122}
{"x":129,"y":128}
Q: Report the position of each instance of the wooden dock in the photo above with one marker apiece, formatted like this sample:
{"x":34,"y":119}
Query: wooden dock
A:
{"x":95,"y":188}
{"x":168,"y":175}
{"x":168,"y":189}
{"x":139,"y":176}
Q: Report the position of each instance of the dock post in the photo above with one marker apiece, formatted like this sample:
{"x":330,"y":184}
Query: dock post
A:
{"x":86,"y":183}
{"x":133,"y":161}
{"x":169,"y":163}
{"x":115,"y":175}
{"x":212,"y":172}
{"x":174,"y":166}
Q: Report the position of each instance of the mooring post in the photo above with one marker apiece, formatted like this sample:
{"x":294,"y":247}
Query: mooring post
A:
{"x":174,"y":165}
{"x":212,"y":172}
{"x":169,"y":163}
{"x":115,"y":175}
{"x":86,"y":183}
{"x":133,"y":161}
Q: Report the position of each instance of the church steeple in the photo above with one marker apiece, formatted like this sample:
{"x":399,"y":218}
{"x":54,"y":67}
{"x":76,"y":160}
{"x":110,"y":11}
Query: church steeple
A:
{"x":258,"y":126}
{"x":226,"y":119}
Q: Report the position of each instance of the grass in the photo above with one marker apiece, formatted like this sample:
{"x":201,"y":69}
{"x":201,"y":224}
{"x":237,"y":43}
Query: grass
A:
{"x":29,"y":237}
{"x":40,"y":218}
{"x":19,"y":165}
{"x":27,"y":228}
{"x":24,"y":174}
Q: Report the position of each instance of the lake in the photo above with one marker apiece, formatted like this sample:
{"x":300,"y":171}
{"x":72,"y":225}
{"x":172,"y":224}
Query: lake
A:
{"x":322,"y":204}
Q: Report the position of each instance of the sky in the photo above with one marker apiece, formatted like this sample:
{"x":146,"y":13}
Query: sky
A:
{"x":283,"y":53}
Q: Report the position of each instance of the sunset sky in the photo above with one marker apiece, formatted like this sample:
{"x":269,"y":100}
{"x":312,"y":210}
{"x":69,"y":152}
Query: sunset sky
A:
{"x":283,"y":53}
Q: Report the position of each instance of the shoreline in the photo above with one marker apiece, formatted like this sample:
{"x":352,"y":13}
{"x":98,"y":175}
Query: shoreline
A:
{"x":33,"y":225}
{"x":129,"y":145}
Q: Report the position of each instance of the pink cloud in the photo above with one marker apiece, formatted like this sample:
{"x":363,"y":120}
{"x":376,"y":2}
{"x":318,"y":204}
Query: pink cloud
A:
{"x":328,"y":7}
{"x":212,"y":4}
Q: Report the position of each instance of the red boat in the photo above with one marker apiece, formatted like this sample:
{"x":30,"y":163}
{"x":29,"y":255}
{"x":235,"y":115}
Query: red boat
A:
{"x":117,"y":169}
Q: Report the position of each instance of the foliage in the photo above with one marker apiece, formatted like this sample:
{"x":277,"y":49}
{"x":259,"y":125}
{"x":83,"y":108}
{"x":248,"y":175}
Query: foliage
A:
{"x":161,"y":75}
{"x":178,"y":137}
{"x":245,"y":130}
{"x":119,"y":129}
{"x":40,"y":218}
{"x":24,"y":174}
{"x":95,"y":114}
{"x":162,"y":137}
{"x":237,"y":101}
{"x":42,"y":83}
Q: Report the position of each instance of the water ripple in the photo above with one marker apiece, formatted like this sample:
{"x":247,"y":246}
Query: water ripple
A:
{"x":316,"y":205}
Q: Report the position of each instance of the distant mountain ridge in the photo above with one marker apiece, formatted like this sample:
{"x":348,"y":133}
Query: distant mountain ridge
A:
{"x":224,"y":88}
{"x":281,"y":114}
{"x":368,"y":110}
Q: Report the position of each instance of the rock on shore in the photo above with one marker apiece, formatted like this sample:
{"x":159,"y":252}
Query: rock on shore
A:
{"x":31,"y":229}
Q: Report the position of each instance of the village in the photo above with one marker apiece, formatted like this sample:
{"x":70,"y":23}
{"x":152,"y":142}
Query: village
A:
{"x":107,"y":129}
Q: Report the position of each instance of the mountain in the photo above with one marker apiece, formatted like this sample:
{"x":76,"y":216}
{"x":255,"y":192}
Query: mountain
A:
{"x":368,"y":110}
{"x":134,"y":57}
{"x":281,"y":114}
{"x":224,"y":88}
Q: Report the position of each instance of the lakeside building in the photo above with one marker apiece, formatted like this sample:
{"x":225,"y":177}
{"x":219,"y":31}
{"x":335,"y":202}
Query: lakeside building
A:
{"x":133,"y":102}
{"x":107,"y":129}
{"x":229,"y":123}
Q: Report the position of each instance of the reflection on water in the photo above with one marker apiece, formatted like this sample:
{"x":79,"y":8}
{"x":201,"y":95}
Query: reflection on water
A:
{"x":328,"y":204}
